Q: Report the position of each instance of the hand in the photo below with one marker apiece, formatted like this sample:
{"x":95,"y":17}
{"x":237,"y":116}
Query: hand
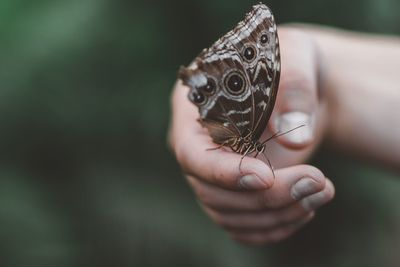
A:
{"x":250,"y":204}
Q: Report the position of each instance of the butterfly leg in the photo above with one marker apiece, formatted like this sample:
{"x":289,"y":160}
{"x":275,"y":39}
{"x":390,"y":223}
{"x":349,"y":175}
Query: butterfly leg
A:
{"x":269,"y":163}
{"x":241,"y":159}
{"x":216,"y":148}
{"x":226,"y":143}
{"x":240,"y":164}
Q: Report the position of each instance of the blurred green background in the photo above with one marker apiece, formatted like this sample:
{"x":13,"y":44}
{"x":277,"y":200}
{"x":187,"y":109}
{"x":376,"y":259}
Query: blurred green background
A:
{"x":85,"y":175}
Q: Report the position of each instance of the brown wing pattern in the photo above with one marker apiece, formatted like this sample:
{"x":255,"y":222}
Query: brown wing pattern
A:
{"x":235,"y":81}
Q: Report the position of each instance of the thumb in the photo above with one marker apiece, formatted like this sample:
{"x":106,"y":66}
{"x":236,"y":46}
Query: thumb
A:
{"x":297,"y":100}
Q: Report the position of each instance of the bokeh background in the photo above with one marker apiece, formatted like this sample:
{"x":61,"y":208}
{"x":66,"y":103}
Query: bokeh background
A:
{"x":86,"y":178}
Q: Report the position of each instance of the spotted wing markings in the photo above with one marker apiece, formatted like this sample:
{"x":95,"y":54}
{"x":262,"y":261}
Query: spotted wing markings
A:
{"x":252,"y":25}
{"x":227,"y":47}
{"x":262,"y":104}
{"x":260,"y":66}
{"x":268,"y":91}
{"x":245,"y":27}
{"x":242,"y":123}
{"x":213,"y":56}
{"x":238,"y":124}
{"x":233,"y":111}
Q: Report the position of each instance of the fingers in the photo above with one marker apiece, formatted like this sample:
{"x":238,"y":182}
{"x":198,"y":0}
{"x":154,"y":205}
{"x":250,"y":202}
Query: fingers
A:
{"x":270,"y":210}
{"x":297,"y":100}
{"x":291,"y":185}
{"x":270,"y":215}
{"x":219,"y":167}
{"x":250,"y":231}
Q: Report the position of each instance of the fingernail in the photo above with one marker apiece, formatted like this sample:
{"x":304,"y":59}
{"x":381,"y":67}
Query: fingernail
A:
{"x":251,"y":181}
{"x":289,"y":121}
{"x":304,"y":187}
{"x":314,"y":201}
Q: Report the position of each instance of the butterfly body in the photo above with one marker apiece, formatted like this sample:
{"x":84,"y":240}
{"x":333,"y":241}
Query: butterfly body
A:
{"x":234,"y":83}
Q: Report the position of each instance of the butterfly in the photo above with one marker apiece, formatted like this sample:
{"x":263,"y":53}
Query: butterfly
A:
{"x":234,"y":83}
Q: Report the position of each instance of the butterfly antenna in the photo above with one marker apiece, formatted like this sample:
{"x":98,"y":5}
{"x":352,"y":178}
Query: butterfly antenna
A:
{"x":277,"y":134}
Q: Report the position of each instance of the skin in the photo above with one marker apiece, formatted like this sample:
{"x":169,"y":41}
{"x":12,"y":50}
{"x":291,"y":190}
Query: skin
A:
{"x":324,"y":73}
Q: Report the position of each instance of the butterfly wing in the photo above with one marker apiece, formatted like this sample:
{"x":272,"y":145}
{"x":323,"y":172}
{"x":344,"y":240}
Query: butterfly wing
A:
{"x":256,"y":40}
{"x":234,"y":83}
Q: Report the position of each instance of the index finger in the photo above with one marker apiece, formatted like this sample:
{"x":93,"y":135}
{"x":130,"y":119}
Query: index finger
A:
{"x":220,"y":167}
